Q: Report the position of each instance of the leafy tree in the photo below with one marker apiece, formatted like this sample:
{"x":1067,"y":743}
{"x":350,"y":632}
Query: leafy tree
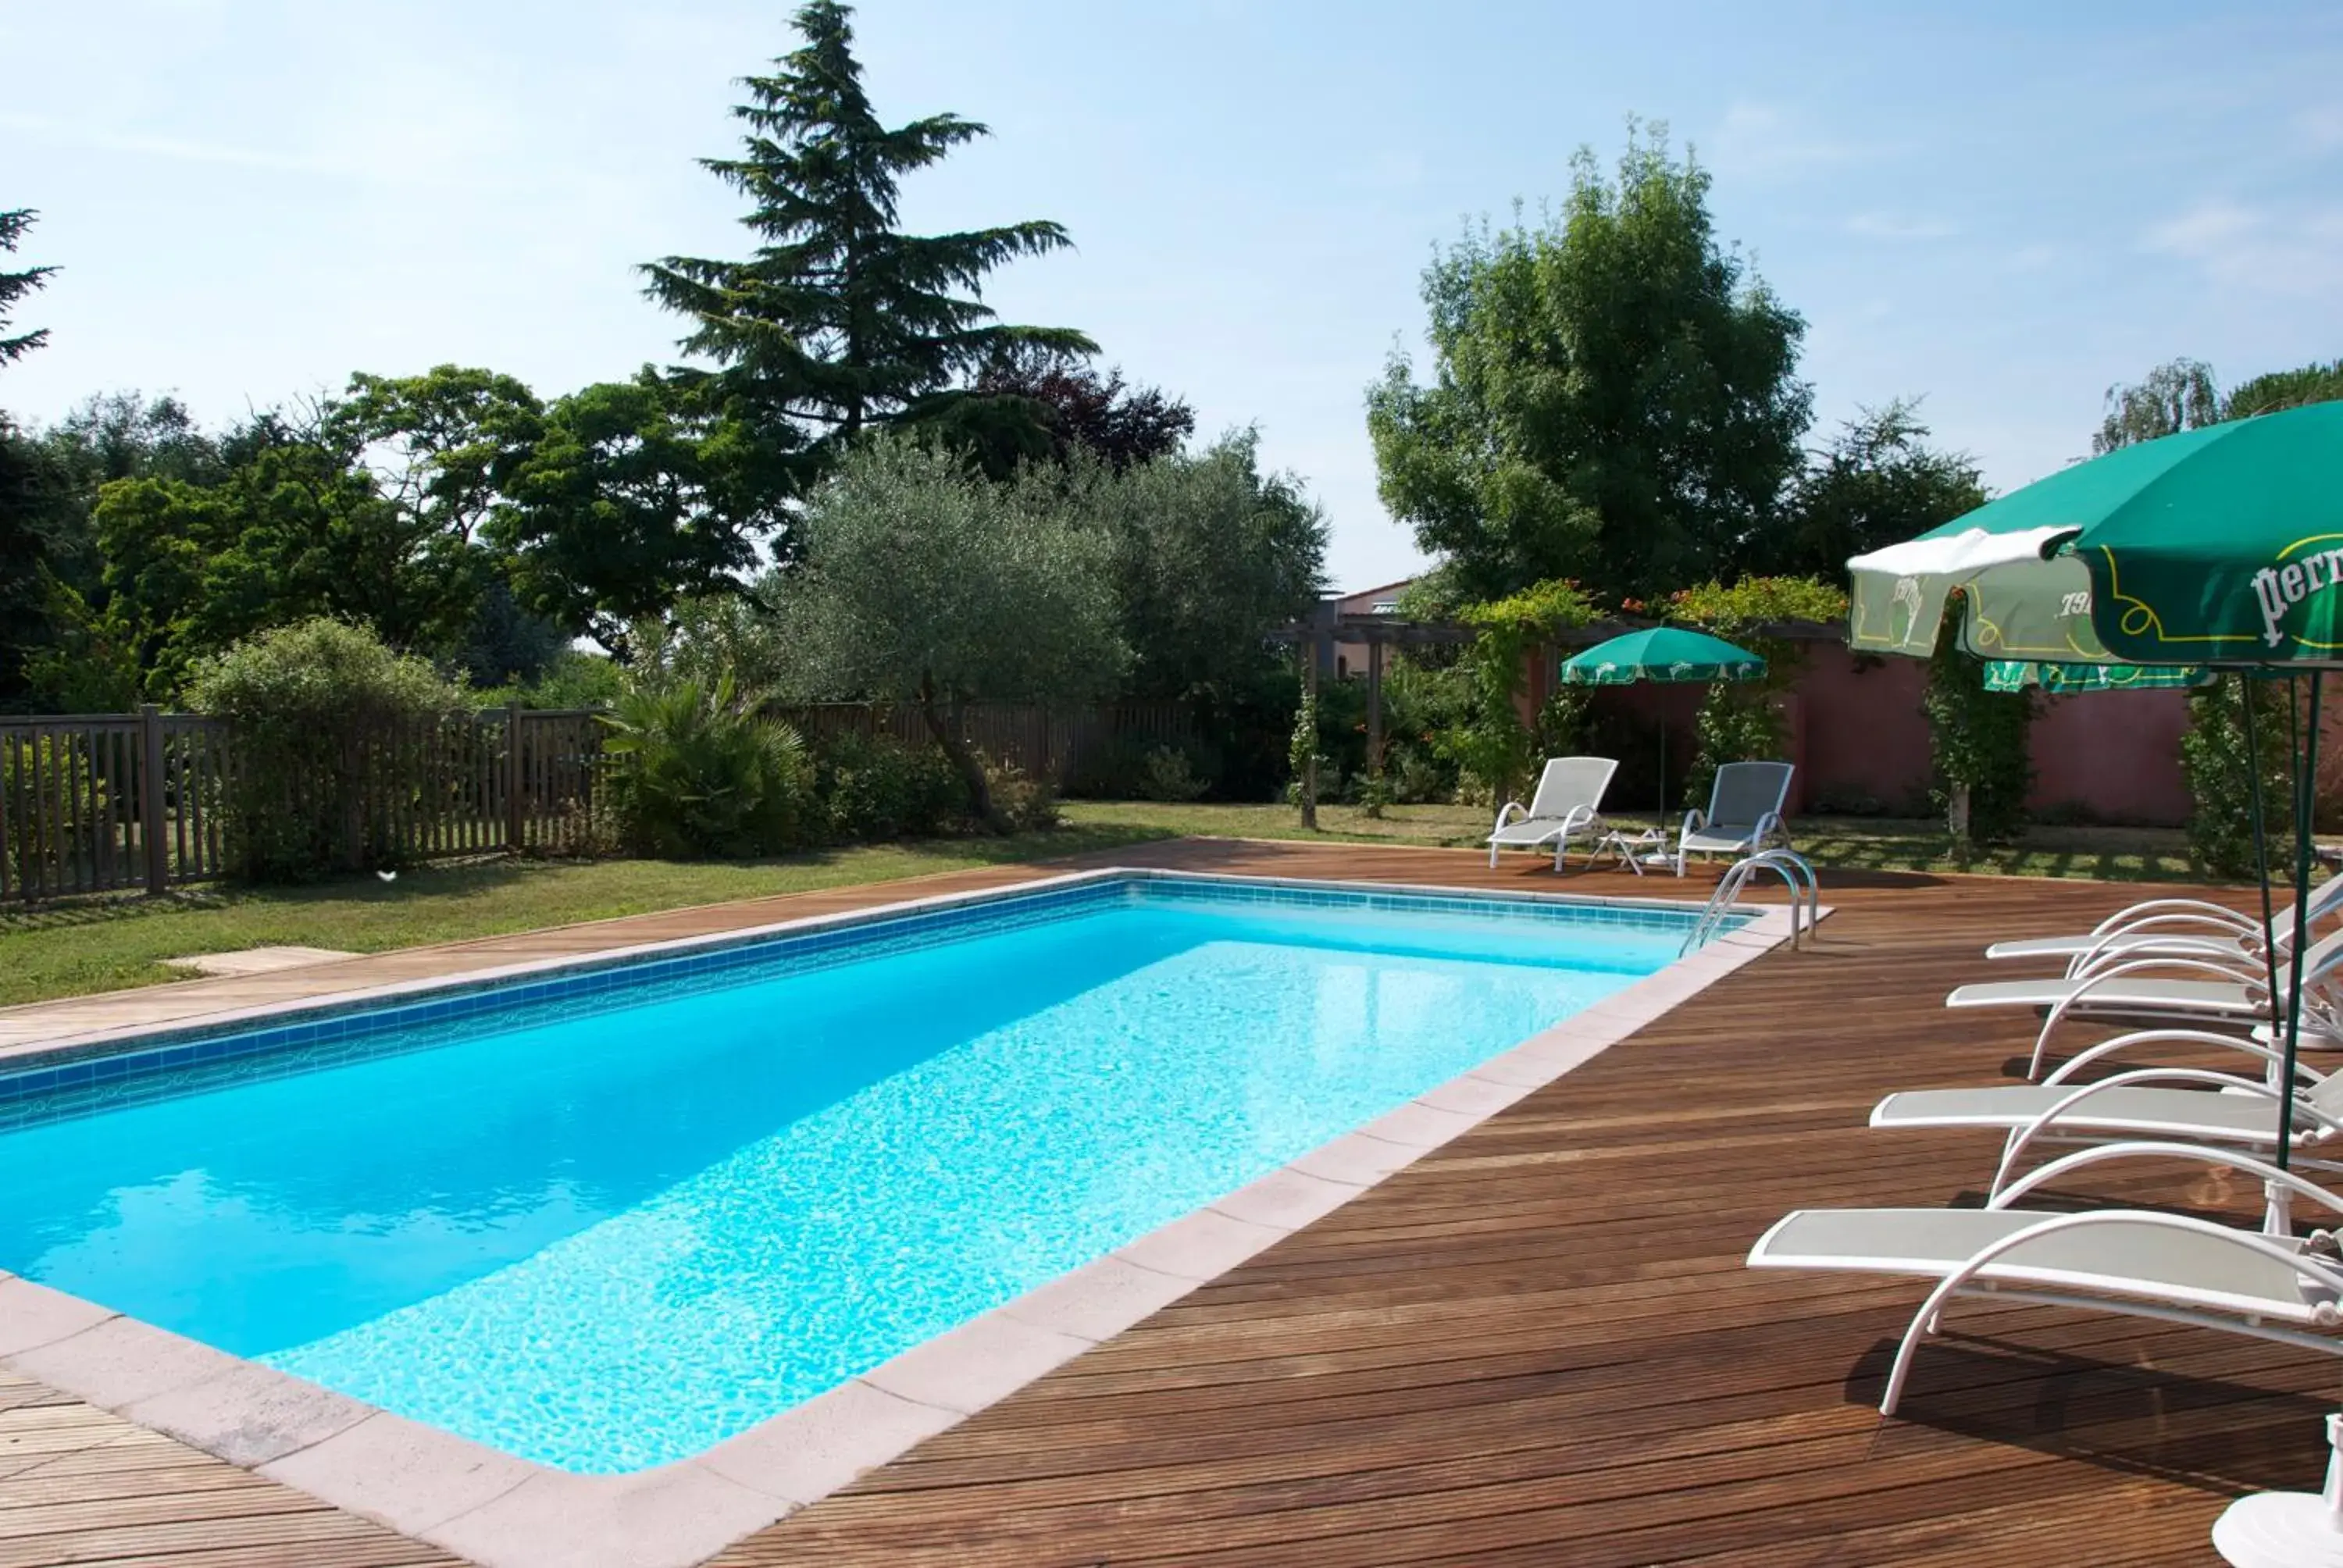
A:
{"x":2276,"y":389}
{"x":618,"y":512}
{"x":1877,"y":483}
{"x":1208,"y":555}
{"x":2174,"y":396}
{"x":1613,"y":396}
{"x":35,"y":493}
{"x":1033,"y":406}
{"x":445,"y":444}
{"x":15,"y":286}
{"x":296,"y":529}
{"x":923,"y":583}
{"x":839,"y":320}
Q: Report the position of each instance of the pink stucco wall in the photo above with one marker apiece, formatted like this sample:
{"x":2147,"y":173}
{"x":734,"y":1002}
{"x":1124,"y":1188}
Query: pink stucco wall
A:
{"x":1859,"y":739}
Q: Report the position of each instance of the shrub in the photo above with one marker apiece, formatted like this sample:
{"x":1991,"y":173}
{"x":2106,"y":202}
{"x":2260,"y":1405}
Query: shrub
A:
{"x":701,"y":773}
{"x":882,"y":788}
{"x":1026,"y":804}
{"x":1167,"y":774}
{"x":336,"y":737}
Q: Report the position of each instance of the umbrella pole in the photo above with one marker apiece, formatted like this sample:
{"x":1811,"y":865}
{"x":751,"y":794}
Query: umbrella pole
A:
{"x":2306,"y":791}
{"x":2276,"y":1217}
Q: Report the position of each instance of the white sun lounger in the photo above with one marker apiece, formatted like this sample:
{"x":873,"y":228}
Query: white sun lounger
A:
{"x":2135,"y":1263}
{"x":1744,"y":815}
{"x":2184,"y":927}
{"x":2193,"y":1105}
{"x":1567,"y":805}
{"x":2169,"y":988}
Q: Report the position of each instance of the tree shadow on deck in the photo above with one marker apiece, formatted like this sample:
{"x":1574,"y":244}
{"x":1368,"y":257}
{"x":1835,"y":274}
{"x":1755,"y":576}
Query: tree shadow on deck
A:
{"x":2117,"y":1411}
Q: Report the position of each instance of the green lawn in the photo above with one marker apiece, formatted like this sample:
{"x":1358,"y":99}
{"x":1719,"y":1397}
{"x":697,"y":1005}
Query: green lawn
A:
{"x":1868,"y":843}
{"x":72,"y":949}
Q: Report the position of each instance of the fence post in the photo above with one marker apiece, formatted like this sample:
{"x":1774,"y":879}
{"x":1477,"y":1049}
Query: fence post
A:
{"x":150,"y":798}
{"x":512,"y":779}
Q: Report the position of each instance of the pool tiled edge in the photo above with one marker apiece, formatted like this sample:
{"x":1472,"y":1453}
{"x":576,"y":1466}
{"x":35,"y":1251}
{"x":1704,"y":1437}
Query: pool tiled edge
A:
{"x":508,"y":1512}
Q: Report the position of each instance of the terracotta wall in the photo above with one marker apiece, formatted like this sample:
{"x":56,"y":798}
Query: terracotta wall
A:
{"x":1860,"y":740}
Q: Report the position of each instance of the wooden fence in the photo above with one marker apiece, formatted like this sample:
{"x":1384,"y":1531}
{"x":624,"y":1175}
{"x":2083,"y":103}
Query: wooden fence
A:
{"x":93,"y":803}
{"x":102,"y":802}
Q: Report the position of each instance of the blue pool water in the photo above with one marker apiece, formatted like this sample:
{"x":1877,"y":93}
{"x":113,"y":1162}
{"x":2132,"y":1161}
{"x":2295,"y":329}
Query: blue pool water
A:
{"x":605,"y":1229}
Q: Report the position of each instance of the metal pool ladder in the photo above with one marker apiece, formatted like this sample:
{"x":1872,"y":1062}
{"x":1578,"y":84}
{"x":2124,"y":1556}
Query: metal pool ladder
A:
{"x":1796,"y":873}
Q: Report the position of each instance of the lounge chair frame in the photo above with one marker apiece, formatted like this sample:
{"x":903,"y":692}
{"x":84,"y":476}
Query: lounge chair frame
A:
{"x":1561,"y":776}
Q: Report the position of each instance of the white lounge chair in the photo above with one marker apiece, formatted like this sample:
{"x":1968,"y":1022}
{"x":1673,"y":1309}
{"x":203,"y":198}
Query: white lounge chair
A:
{"x":2191,"y":1104}
{"x":2187,"y":927}
{"x":1567,"y":805}
{"x":2170,"y":1267}
{"x":2173,"y":989}
{"x":1744,"y":812}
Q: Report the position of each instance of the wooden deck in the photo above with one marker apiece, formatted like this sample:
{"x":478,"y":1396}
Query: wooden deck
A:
{"x":1535,"y":1346}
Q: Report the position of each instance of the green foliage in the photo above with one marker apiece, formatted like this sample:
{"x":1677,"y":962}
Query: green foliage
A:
{"x":1304,"y":756}
{"x":839,"y":320}
{"x":1878,"y":483}
{"x":296,"y":529}
{"x":1613,"y":396}
{"x":2183,"y":395}
{"x":329,"y":726}
{"x":1206,"y":556}
{"x":15,"y":286}
{"x":878,"y":789}
{"x":573,"y":679}
{"x":923,"y":583}
{"x":2214,"y":759}
{"x":1739,"y":720}
{"x":1024,"y":803}
{"x":701,"y":773}
{"x":2276,"y":389}
{"x":1491,"y":746}
{"x":1977,"y":742}
{"x":617,"y":511}
{"x":1166,"y":773}
{"x":2172,"y":397}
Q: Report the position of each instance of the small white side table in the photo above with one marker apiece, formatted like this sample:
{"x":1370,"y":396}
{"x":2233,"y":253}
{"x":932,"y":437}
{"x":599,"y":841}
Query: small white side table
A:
{"x":1636,"y":848}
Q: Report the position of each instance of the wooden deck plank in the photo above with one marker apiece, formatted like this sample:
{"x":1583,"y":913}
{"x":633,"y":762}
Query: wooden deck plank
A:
{"x":1537,"y":1345}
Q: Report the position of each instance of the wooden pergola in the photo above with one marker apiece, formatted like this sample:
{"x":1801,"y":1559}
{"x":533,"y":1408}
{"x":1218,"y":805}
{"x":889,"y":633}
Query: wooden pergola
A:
{"x":1325,"y":628}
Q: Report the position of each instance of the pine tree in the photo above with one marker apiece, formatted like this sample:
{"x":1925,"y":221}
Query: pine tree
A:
{"x":14,"y":285}
{"x":839,"y":322}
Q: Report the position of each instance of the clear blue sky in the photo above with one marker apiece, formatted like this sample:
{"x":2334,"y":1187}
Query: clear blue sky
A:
{"x":2001,"y":206}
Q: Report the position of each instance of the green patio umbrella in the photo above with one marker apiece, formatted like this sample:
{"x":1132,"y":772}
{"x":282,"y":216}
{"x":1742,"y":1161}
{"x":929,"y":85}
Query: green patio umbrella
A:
{"x":2220,"y":547}
{"x":2062,"y":679}
{"x":1662,"y":653}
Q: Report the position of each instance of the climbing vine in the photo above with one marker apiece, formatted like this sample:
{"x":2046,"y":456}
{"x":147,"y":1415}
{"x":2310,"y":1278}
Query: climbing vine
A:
{"x":1740,"y":721}
{"x":1490,"y":744}
{"x":1977,"y":741}
{"x":2213,"y":760}
{"x":1303,"y":758}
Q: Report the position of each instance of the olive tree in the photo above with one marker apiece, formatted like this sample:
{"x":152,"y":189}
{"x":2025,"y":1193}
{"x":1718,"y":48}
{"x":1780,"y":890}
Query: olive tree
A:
{"x":922,"y":583}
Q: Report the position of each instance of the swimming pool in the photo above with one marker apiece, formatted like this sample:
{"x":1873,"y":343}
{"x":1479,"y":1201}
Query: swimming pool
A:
{"x":606,"y":1220}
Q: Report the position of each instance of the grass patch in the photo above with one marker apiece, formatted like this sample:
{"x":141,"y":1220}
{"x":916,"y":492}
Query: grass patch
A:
{"x":1845,"y":843}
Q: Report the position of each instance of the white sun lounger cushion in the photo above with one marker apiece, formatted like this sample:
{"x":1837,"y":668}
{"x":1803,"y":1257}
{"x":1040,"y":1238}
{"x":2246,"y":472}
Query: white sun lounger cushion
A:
{"x":2186,"y":1114}
{"x":2140,"y":1262}
{"x":2124,"y":992}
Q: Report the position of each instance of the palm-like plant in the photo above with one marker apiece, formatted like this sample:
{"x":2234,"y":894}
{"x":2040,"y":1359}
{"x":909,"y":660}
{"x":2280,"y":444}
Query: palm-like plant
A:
{"x":702,"y":773}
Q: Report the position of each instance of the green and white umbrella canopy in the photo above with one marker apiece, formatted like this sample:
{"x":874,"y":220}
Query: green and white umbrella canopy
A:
{"x":2222,"y":545}
{"x":2062,"y":679}
{"x":1668,"y":653}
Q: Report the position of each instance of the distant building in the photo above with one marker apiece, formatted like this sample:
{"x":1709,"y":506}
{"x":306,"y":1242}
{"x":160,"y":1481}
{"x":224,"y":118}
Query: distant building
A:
{"x":1350,"y":657}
